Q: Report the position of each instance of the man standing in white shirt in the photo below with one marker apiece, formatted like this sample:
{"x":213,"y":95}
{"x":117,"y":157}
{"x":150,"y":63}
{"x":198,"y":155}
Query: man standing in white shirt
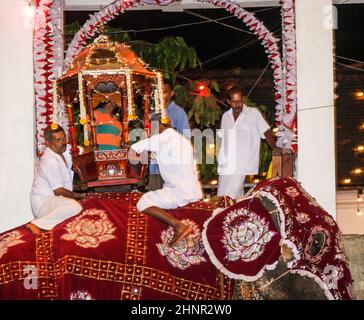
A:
{"x":242,"y":128}
{"x":177,"y":166}
{"x":51,"y":197}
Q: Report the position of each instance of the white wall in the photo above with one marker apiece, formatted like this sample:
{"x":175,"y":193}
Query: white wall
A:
{"x":16,"y":115}
{"x":316,"y":126}
{"x":347,"y":206}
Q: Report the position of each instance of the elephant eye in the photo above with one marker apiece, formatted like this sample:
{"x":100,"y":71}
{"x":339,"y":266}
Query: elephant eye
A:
{"x":318,"y":241}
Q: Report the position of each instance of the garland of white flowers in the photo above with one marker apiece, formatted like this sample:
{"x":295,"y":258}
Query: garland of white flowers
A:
{"x":83,"y":115}
{"x":91,"y":27}
{"x":267,"y":38}
{"x":288,"y":128}
{"x":55,"y":106}
{"x":55,"y":15}
{"x":129,"y":88}
{"x":270,"y":43}
{"x":42,"y":65}
{"x":45,"y":45}
{"x":47,"y":61}
{"x":159,"y":100}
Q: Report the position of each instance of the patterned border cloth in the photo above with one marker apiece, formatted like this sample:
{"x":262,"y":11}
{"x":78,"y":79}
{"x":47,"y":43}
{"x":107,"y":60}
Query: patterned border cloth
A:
{"x":312,"y":234}
{"x":111,"y":251}
{"x":244,"y":239}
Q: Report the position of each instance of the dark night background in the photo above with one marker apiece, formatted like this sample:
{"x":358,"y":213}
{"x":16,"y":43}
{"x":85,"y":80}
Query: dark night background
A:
{"x":211,"y":40}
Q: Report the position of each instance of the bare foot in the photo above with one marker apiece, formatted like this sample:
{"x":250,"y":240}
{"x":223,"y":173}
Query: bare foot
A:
{"x":33,"y":228}
{"x":181,"y":232}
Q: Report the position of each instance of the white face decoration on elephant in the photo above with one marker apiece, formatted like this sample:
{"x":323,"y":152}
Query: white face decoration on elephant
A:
{"x":279,"y":244}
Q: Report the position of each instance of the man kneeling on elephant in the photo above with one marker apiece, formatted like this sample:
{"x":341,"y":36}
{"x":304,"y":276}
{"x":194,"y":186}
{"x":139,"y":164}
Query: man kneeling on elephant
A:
{"x":174,"y":155}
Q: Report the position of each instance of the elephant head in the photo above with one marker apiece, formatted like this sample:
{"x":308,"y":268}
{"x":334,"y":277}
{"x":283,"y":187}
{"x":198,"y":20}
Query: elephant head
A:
{"x":279,"y":244}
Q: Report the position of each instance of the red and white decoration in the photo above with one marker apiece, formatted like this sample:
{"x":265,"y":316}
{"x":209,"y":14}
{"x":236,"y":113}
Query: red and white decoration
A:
{"x":92,"y":26}
{"x":242,"y":240}
{"x":287,"y":135}
{"x":270,"y":43}
{"x":48,"y":58}
{"x":246,"y":235}
{"x":80,"y":295}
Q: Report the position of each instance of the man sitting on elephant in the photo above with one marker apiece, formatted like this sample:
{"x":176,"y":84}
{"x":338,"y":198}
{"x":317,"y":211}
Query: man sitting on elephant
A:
{"x":174,"y":155}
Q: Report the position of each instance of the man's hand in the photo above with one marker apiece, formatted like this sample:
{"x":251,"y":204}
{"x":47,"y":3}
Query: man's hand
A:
{"x":133,"y":156}
{"x":69,"y":194}
{"x":80,"y":196}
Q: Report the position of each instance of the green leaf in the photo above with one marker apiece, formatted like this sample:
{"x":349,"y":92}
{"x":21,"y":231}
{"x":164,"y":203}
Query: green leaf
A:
{"x":215,"y":86}
{"x":72,"y":28}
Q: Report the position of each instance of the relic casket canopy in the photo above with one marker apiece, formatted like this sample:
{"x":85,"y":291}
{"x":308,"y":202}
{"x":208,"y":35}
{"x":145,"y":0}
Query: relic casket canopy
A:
{"x":107,"y":89}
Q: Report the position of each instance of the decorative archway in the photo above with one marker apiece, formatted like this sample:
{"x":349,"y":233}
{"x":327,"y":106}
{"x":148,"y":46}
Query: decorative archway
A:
{"x":46,"y":67}
{"x":48,"y":63}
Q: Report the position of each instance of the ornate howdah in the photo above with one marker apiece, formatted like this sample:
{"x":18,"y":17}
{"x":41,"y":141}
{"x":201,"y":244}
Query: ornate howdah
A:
{"x":107,"y":91}
{"x":112,"y":164}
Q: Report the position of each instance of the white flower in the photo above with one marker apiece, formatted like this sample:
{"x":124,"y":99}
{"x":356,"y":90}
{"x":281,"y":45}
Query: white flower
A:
{"x":245,"y":235}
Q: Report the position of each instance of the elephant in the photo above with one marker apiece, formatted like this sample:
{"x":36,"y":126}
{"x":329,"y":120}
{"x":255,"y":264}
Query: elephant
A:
{"x":275,"y":243}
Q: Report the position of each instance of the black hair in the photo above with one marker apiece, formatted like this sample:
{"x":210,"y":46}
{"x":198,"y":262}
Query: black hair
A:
{"x":48,"y":131}
{"x":168,"y":82}
{"x":235,"y":90}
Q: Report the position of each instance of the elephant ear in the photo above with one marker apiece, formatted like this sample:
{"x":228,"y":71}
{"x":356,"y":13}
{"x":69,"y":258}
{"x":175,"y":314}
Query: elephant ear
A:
{"x":242,"y":240}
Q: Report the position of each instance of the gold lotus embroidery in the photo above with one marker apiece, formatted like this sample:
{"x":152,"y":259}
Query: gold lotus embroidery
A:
{"x":9,"y":240}
{"x":90,"y":229}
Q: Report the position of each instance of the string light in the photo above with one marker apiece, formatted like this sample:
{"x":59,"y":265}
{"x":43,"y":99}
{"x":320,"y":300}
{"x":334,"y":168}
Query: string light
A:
{"x":213,"y":182}
{"x":212,"y":146}
{"x":360,"y":148}
{"x":359,"y":199}
{"x":256,"y":180}
{"x":159,"y":100}
{"x":347,"y":181}
{"x":83,"y":116}
{"x":275,"y":130}
{"x":359,"y":94}
{"x":357,"y":171}
{"x":131,"y":111}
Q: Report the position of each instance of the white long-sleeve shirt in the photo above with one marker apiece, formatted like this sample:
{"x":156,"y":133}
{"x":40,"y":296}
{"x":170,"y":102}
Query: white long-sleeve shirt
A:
{"x":50,"y":174}
{"x":174,"y":155}
{"x":239,"y":151}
